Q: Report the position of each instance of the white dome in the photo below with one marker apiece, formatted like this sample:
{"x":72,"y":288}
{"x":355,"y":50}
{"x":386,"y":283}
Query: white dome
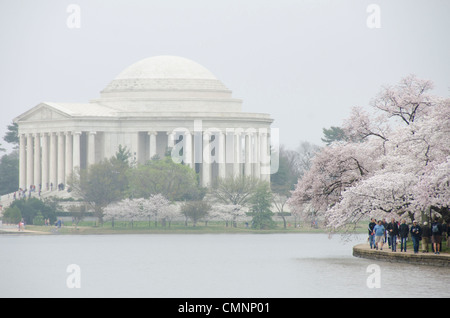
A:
{"x":166,"y":67}
{"x":165,"y":73}
{"x":168,"y":83}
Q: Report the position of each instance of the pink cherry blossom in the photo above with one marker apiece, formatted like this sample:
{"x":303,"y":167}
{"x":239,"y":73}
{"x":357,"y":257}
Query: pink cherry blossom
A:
{"x":387,"y":167}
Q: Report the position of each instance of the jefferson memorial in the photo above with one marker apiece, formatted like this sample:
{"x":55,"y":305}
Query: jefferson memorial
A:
{"x":163,"y":105}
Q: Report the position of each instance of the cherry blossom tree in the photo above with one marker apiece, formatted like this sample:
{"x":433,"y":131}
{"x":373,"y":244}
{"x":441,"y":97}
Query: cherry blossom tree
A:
{"x":433,"y":188}
{"x":334,"y":169}
{"x":169,"y":213}
{"x":112,"y":212}
{"x":407,"y":100}
{"x":138,"y":209}
{"x":297,"y":212}
{"x":123,"y":210}
{"x":393,"y":162}
{"x":153,"y":206}
{"x":228,"y":212}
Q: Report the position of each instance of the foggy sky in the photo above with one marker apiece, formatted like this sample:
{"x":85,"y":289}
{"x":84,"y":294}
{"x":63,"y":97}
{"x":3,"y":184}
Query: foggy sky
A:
{"x":304,"y":62}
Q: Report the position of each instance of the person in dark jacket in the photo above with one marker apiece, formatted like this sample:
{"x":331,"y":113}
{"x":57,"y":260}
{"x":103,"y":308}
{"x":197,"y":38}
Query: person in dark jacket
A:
{"x":392,"y":229}
{"x":425,"y":237}
{"x":371,"y":233}
{"x":448,"y":235}
{"x":403,"y":231}
{"x":416,"y":233}
{"x":386,"y":237}
{"x":436,"y":236}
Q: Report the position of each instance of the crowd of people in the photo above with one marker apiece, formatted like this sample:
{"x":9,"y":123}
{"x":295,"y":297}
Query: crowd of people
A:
{"x":22,"y":193}
{"x":394,"y":232}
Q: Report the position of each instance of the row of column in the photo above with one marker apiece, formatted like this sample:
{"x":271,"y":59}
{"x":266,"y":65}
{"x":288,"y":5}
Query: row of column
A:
{"x":48,"y":159}
{"x":248,"y":152}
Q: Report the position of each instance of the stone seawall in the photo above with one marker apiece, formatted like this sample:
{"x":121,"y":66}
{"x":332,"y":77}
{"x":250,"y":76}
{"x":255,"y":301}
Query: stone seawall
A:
{"x":364,"y":251}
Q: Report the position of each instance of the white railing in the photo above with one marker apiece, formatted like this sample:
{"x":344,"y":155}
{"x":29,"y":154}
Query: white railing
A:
{"x":7,"y":199}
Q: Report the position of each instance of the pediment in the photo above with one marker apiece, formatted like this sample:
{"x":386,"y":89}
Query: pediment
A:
{"x":42,"y":112}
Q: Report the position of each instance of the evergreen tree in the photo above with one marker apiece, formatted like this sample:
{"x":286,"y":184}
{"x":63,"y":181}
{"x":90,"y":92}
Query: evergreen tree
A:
{"x":261,"y":202}
{"x":12,"y":136}
{"x":333,"y":134}
{"x":9,"y":173}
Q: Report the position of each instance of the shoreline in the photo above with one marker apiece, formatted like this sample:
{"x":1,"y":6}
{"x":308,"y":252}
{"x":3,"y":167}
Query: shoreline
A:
{"x":87,"y":230}
{"x":429,"y":258}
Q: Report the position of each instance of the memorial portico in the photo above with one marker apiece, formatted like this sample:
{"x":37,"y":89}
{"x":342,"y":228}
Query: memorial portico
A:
{"x":157,"y":106}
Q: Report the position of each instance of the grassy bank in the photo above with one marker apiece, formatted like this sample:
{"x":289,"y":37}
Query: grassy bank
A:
{"x":146,"y":227}
{"x":174,"y":228}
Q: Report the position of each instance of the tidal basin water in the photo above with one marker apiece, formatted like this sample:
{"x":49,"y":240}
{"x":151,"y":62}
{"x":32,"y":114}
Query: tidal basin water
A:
{"x":204,"y":265}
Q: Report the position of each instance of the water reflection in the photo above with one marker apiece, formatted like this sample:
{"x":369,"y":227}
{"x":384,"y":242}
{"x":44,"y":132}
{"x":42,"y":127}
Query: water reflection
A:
{"x":273,"y":265}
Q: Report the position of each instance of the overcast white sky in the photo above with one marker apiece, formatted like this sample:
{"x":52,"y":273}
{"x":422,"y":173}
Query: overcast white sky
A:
{"x":305,"y":62}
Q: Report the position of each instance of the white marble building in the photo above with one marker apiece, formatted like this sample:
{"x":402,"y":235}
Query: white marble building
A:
{"x":157,"y":104}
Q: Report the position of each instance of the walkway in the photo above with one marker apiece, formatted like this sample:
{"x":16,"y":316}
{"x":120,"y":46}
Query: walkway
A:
{"x":364,"y":251}
{"x":12,"y":229}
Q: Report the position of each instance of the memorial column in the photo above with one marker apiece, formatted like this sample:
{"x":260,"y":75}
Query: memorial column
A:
{"x":69,"y":156}
{"x":206,"y":160}
{"x":257,"y":156}
{"x":45,"y":161}
{"x":265,"y":158}
{"x":22,"y":162}
{"x":53,"y":162}
{"x":237,"y":155}
{"x":222,"y":151}
{"x":76,"y":161}
{"x":30,"y":165}
{"x":170,"y":139}
{"x":152,"y":145}
{"x":61,"y":159}
{"x":91,"y":148}
{"x":187,"y":151}
{"x":248,"y":154}
{"x":37,"y":161}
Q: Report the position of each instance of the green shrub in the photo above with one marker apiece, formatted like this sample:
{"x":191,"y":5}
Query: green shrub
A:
{"x":38,"y":219}
{"x":29,"y":209}
{"x":12,"y":215}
